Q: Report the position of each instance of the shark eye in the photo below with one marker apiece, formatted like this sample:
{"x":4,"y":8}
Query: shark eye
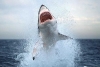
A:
{"x":45,"y":16}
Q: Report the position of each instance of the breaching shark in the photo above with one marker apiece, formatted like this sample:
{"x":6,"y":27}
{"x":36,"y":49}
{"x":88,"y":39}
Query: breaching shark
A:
{"x":47,"y":29}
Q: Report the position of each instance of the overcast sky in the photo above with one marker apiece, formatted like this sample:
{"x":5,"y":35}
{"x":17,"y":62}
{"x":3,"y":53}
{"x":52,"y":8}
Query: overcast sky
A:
{"x":18,"y":18}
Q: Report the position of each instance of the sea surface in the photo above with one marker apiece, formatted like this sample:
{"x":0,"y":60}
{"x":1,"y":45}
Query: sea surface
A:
{"x":17,"y":53}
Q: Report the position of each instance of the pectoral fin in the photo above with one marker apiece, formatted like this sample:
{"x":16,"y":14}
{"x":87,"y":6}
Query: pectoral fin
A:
{"x":63,"y":37}
{"x":36,"y":49}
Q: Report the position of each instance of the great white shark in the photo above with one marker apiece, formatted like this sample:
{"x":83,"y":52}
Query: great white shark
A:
{"x":47,"y":29}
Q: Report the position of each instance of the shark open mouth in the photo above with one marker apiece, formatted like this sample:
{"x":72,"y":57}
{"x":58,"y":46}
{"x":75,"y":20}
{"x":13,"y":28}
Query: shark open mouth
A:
{"x":45,"y":16}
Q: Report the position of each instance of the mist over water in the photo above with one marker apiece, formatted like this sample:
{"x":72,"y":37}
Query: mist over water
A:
{"x":63,"y":54}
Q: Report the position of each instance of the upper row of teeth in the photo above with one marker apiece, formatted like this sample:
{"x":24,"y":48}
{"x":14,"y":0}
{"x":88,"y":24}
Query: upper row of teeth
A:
{"x":44,"y":14}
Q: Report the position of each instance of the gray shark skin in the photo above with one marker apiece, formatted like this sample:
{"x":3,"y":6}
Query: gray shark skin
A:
{"x":47,"y":29}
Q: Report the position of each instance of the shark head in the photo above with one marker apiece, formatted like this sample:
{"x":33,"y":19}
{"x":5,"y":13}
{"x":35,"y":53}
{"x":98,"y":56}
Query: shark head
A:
{"x":46,"y":19}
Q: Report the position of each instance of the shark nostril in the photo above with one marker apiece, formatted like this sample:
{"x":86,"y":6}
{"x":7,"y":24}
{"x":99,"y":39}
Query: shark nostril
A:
{"x":45,"y":16}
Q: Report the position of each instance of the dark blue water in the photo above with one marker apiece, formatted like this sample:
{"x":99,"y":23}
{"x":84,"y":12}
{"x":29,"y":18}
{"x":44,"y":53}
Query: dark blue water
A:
{"x":9,"y":49}
{"x":89,"y":53}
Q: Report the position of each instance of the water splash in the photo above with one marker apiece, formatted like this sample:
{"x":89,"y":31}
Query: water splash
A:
{"x":62,"y":55}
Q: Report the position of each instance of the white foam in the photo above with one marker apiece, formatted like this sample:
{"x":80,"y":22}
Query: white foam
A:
{"x":62,"y":55}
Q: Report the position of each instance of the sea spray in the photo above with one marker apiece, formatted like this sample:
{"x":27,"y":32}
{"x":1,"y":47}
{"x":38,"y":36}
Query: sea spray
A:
{"x":63,"y":54}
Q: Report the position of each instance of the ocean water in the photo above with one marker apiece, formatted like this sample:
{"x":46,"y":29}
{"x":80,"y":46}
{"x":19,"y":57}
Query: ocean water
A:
{"x":67,"y":53}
